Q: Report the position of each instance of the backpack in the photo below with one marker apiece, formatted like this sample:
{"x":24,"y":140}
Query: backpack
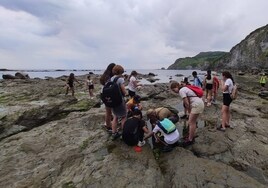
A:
{"x":216,"y":82}
{"x":197,"y":90}
{"x":111,"y":94}
{"x":166,"y":126}
{"x":171,"y":109}
{"x":234,"y":92}
{"x":201,"y":84}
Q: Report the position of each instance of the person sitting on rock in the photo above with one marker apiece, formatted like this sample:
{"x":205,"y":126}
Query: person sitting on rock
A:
{"x":133,"y":103}
{"x":163,"y":112}
{"x":134,"y":129}
{"x":165,"y":133}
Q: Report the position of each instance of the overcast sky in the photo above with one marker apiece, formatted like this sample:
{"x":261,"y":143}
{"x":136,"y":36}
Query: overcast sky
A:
{"x":138,"y":34}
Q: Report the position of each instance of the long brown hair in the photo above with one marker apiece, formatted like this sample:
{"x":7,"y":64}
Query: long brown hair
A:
{"x":227,"y":74}
{"x":107,"y":74}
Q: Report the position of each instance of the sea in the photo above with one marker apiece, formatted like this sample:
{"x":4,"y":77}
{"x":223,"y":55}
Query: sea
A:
{"x":162,"y":76}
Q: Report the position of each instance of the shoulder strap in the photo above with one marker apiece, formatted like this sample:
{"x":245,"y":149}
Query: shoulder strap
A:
{"x":115,"y":79}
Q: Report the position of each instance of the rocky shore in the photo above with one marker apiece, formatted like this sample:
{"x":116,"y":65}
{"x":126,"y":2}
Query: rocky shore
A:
{"x":48,"y":139}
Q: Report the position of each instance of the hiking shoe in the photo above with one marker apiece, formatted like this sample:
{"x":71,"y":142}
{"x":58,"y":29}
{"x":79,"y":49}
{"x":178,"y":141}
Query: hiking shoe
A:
{"x":140,"y":144}
{"x":115,"y":135}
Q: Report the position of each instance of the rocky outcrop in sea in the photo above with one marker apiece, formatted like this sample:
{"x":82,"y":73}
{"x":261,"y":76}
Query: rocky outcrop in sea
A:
{"x":52,"y":140}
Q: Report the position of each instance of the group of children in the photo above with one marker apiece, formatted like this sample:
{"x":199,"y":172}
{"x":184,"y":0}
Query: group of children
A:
{"x":70,"y":85}
{"x":128,"y":114}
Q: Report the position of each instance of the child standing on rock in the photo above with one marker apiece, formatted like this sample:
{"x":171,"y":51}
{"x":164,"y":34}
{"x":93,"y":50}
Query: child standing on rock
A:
{"x":90,"y":86}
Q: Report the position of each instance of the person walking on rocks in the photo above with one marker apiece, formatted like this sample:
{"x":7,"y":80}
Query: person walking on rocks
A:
{"x":105,"y":77}
{"x":70,"y":84}
{"x":193,"y":104}
{"x":227,"y":85}
{"x":263,"y":81}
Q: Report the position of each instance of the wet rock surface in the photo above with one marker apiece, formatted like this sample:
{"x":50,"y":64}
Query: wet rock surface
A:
{"x":52,"y":140}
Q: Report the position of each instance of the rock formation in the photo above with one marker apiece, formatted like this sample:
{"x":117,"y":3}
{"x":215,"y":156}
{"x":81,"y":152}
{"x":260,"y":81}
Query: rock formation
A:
{"x":52,"y":140}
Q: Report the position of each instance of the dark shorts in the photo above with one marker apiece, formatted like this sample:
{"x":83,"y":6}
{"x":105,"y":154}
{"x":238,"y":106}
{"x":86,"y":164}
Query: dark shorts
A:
{"x":262,"y":84}
{"x":91,"y":87}
{"x":209,"y":86}
{"x":131,"y":93}
{"x":227,"y":99}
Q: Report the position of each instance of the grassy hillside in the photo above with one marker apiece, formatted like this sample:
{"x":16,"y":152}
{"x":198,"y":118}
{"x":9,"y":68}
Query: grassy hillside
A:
{"x":200,"y":61}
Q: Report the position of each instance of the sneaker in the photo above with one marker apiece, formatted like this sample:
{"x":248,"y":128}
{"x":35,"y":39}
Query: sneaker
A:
{"x":206,"y":100}
{"x":187,"y":143}
{"x":221,"y":129}
{"x":115,"y":135}
{"x":108,"y":129}
{"x":167,"y":149}
{"x":140,"y":144}
{"x":229,"y":126}
{"x":208,"y":104}
{"x":184,"y":117}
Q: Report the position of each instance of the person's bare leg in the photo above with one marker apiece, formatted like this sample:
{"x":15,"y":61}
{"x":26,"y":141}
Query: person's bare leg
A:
{"x":192,"y":125}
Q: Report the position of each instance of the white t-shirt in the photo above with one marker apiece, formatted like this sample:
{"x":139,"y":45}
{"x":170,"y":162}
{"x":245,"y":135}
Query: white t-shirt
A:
{"x":169,"y":138}
{"x":229,"y":83}
{"x":186,"y":92}
{"x":131,"y":85}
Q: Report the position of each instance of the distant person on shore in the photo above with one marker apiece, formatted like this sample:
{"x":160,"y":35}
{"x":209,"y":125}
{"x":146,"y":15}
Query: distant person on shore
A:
{"x":227,"y":85}
{"x":119,"y":112}
{"x":134,"y":129}
{"x":263,"y":81}
{"x":133,"y":83}
{"x":215,"y":89}
{"x":197,"y":81}
{"x":194,"y":106}
{"x":208,"y":83}
{"x":105,"y":77}
{"x":90,"y":86}
{"x":70,"y":84}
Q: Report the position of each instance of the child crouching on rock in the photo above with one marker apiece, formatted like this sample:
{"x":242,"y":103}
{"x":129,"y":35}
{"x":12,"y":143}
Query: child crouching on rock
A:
{"x":165,"y":132}
{"x":134,"y":129}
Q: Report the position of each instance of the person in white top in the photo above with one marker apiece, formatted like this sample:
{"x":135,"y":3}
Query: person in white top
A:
{"x":193,"y":104}
{"x":133,"y":83}
{"x":227,"y":85}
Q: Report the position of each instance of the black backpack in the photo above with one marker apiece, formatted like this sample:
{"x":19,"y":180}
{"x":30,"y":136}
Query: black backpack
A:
{"x":111,"y":94}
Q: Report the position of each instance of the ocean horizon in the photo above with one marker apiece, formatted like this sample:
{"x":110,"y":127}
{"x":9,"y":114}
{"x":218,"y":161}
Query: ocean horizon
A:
{"x":163,"y":75}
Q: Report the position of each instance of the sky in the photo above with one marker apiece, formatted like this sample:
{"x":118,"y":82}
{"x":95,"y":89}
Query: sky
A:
{"x":137,"y":34}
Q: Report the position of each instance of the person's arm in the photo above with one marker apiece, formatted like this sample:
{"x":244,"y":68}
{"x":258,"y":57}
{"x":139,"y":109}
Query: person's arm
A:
{"x":145,"y":129}
{"x":223,"y":86}
{"x":149,"y":135}
{"x":187,"y":104}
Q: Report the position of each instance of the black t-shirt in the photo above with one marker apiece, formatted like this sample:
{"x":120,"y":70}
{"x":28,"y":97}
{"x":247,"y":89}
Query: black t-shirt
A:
{"x":132,"y":131}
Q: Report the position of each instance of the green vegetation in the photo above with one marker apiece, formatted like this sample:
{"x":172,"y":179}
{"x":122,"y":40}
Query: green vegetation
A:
{"x":197,"y":61}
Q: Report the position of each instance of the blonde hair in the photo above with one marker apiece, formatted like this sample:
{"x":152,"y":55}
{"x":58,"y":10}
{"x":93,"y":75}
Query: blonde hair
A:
{"x":150,"y":112}
{"x":175,"y":85}
{"x":118,"y":70}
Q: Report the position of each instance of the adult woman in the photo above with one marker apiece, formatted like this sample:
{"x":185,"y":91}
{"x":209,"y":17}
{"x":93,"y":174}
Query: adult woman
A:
{"x":193,"y":104}
{"x":227,"y":85}
{"x":105,"y":77}
{"x":119,"y":111}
